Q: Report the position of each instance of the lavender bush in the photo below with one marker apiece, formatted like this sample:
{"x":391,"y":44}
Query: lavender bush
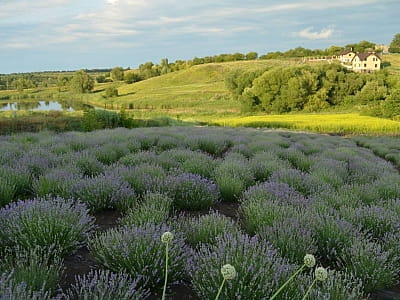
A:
{"x":332,"y":235}
{"x":260,"y":270}
{"x":292,"y":239}
{"x":368,"y":261}
{"x":204,"y":229}
{"x":17,"y":176}
{"x":110,"y":153}
{"x":300,"y":181}
{"x":38,"y":268}
{"x":105,"y":285}
{"x":297,"y":159}
{"x":139,"y":252}
{"x":375,"y":220}
{"x":232,"y":177}
{"x":103,"y":192}
{"x":57,"y":182}
{"x":154,"y":208}
{"x":12,"y":290}
{"x":137,"y":158}
{"x":142,"y":177}
{"x":264,"y":163}
{"x":54,"y":222}
{"x":191,"y":192}
{"x":88,"y":164}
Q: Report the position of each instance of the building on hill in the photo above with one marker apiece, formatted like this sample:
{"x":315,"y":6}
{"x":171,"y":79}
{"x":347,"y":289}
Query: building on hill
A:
{"x":383,"y":48}
{"x":366,"y":62}
{"x":346,"y":57}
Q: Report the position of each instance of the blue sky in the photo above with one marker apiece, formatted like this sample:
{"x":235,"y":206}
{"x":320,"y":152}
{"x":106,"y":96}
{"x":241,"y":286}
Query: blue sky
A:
{"x":73,"y":34}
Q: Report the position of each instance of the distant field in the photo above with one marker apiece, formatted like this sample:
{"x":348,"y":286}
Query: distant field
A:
{"x":323,"y":123}
{"x":394,"y":60}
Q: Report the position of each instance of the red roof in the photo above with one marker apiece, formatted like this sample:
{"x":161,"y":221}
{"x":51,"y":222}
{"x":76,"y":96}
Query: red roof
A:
{"x":364,"y":56}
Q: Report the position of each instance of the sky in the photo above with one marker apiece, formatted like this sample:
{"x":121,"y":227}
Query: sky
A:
{"x":55,"y":35}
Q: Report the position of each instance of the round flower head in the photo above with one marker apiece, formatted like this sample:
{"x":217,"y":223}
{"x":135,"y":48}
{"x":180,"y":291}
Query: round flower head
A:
{"x":321,"y":274}
{"x":228,"y":272}
{"x":309,"y":260}
{"x":167,"y":237}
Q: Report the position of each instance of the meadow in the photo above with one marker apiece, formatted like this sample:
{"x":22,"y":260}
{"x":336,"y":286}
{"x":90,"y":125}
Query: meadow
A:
{"x":340,"y":124}
{"x":85,"y":212}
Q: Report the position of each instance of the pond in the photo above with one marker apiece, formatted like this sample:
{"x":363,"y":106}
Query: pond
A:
{"x":43,"y":105}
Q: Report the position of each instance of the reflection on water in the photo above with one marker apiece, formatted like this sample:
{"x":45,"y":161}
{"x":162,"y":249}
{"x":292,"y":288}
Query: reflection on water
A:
{"x":44,"y":105}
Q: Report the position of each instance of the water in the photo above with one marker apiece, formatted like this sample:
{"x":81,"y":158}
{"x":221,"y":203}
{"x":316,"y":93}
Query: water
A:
{"x":43,"y":106}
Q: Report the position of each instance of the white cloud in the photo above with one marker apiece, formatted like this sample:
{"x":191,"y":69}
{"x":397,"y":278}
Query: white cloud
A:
{"x":307,"y":33}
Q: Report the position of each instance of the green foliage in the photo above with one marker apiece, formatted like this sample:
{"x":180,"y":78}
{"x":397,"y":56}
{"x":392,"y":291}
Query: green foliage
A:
{"x":131,"y":77}
{"x":154,"y":209}
{"x":99,"y":119}
{"x":139,"y":252}
{"x":205,"y":229}
{"x":362,"y":46}
{"x":306,"y":87}
{"x":39,"y":268}
{"x":117,"y":74}
{"x":101,"y":79}
{"x":82,"y":82}
{"x":111,"y":91}
{"x":395,"y":44}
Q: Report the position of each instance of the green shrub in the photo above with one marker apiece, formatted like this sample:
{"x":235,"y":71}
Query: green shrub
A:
{"x":39,"y":268}
{"x":139,"y":252}
{"x":204,"y":229}
{"x":260,"y":271}
{"x":154,"y":208}
{"x":191,"y":191}
{"x":369,"y":262}
{"x":53,"y":222}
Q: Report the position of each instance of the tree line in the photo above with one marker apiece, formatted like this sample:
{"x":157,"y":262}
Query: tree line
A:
{"x":312,"y":88}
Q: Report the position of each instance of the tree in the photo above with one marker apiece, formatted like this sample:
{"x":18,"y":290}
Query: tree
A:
{"x":251,"y":55}
{"x":62,"y":81}
{"x":101,"y":79}
{"x":111,"y":91}
{"x":131,"y":77}
{"x":395,"y":44}
{"x":164,"y":65}
{"x":117,"y":74}
{"x":82,"y":82}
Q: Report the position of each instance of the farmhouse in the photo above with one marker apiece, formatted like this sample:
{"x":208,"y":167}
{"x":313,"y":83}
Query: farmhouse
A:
{"x":346,"y":57}
{"x":366,"y":62}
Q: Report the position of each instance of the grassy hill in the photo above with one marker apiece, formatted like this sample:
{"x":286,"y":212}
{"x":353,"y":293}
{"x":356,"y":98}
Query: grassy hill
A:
{"x":199,"y":90}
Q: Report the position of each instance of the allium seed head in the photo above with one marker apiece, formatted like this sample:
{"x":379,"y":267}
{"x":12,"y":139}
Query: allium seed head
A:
{"x":309,"y":260}
{"x":321,"y":274}
{"x":228,"y":272}
{"x":167,"y":237}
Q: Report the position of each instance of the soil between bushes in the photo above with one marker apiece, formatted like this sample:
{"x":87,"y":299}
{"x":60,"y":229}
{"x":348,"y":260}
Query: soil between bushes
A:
{"x":82,"y":261}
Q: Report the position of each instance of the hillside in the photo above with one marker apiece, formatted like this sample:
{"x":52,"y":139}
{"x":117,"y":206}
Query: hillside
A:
{"x":197,"y":90}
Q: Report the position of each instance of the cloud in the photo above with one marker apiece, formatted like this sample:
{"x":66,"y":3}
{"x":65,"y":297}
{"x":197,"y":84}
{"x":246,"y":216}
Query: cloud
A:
{"x":307,"y":33}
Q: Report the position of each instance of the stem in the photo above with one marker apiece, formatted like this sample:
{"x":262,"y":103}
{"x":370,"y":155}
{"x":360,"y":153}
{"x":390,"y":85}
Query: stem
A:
{"x":309,"y":289}
{"x":220,"y":289}
{"x":286,"y":283}
{"x":166,"y":272}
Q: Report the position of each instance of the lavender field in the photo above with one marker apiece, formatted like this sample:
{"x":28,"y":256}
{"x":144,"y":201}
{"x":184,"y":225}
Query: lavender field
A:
{"x":81,"y":214}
